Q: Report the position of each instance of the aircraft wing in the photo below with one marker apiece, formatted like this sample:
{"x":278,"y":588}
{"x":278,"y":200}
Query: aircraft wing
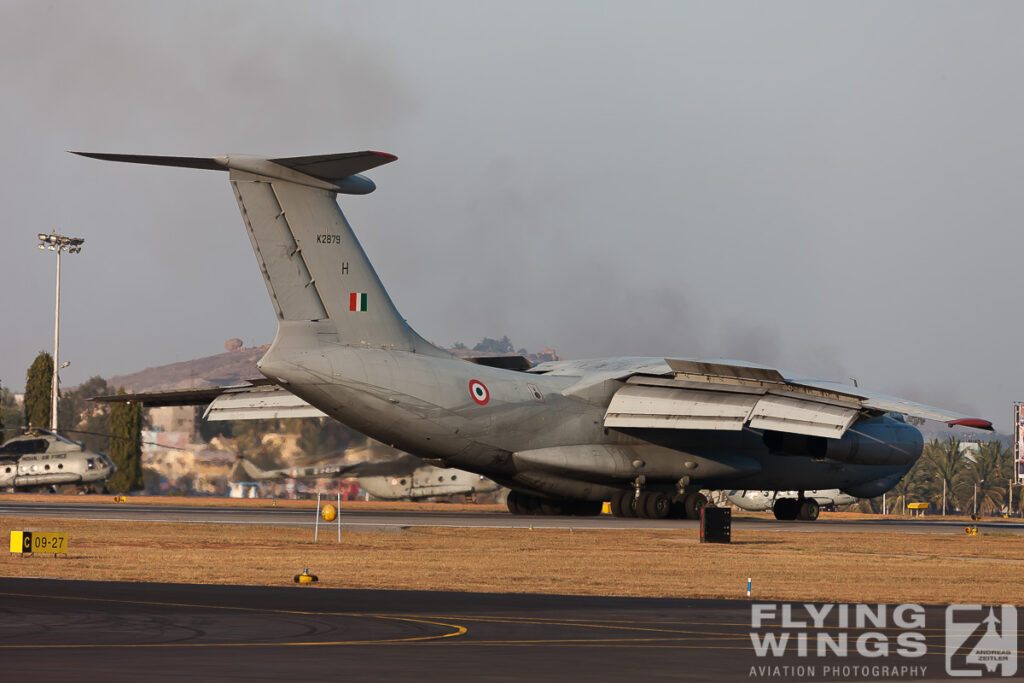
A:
{"x":255,"y":400}
{"x":890,"y":404}
{"x":717,"y":396}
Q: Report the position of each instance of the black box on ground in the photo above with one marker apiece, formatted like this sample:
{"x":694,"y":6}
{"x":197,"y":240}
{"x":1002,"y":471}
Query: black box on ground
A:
{"x":715,"y":525}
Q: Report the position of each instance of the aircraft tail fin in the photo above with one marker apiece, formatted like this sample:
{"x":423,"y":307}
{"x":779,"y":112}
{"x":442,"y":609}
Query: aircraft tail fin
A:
{"x":311,"y":261}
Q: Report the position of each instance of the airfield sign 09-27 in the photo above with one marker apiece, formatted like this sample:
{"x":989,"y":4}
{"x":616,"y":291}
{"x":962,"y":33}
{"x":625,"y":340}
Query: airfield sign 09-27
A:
{"x":26,"y":542}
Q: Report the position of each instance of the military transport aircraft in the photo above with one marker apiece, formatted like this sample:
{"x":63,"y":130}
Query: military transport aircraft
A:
{"x":40,"y":458}
{"x":403,"y":478}
{"x":777,"y":501}
{"x":646,"y":433}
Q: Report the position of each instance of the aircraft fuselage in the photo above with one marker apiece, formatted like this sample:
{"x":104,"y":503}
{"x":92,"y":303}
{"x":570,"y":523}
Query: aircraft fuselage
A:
{"x":521,"y":430}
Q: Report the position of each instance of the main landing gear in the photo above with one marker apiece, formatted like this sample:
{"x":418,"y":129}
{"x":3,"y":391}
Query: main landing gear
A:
{"x":645,"y":504}
{"x":523,"y":504}
{"x":796,"y":508}
{"x":658,"y":505}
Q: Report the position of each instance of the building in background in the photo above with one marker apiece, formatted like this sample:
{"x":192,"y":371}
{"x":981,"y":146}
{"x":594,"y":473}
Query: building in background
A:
{"x":1018,"y":442}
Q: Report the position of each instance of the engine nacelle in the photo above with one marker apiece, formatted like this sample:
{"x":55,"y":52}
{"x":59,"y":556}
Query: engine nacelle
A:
{"x":873,"y":489}
{"x":877,"y":441}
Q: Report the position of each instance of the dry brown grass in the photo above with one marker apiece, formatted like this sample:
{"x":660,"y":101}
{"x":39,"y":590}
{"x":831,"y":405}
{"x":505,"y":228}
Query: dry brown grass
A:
{"x":252,"y":503}
{"x":404,"y":506}
{"x":851,"y":566}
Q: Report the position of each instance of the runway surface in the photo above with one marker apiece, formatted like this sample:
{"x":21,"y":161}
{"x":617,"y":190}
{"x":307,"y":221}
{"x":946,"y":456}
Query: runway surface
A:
{"x":377,"y":520}
{"x":76,"y":630}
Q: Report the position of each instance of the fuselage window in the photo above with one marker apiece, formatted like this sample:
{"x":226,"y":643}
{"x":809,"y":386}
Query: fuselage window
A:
{"x":24,"y":447}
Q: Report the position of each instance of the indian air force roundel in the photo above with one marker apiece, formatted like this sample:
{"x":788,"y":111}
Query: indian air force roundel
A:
{"x":479,"y":392}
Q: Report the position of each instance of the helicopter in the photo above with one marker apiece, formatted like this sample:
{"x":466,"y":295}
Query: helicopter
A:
{"x":41,"y":458}
{"x":404,"y":478}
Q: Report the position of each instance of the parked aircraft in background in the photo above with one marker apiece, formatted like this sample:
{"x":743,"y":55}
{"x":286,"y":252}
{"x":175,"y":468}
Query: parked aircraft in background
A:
{"x":403,"y":478}
{"x":646,"y":433}
{"x":40,"y":458}
{"x":779,"y":502}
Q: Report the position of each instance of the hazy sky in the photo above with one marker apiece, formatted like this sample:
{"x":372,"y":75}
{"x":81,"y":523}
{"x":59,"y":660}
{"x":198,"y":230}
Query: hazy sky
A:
{"x":832,"y":188}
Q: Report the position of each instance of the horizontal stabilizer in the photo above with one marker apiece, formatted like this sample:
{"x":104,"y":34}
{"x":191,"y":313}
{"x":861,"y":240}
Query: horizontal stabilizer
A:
{"x":179,"y":397}
{"x":259,"y":399}
{"x":337,"y":172}
{"x":336,"y":166}
{"x":206,"y":163}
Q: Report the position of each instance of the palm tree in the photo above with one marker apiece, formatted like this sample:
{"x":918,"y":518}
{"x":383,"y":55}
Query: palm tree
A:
{"x":872,"y":506}
{"x":988,"y":472}
{"x":915,"y":486}
{"x":945,"y":464}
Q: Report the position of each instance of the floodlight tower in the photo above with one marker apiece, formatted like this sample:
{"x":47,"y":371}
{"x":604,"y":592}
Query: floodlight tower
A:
{"x":72,"y":245}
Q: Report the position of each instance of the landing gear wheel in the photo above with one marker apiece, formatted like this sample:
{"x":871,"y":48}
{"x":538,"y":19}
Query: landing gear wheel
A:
{"x":587,"y":508}
{"x":550,"y":508}
{"x":521,"y":504}
{"x":809,"y":510}
{"x":693,"y":503}
{"x":514,"y":503}
{"x":655,"y":505}
{"x":640,"y":506}
{"x":623,"y":504}
{"x":786,"y":509}
{"x":615,"y":504}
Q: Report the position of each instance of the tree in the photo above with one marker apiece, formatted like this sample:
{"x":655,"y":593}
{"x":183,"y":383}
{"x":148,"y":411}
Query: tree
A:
{"x":72,"y":406}
{"x":489,"y":345}
{"x":945,"y":462}
{"x":84,"y":420}
{"x":988,"y":472}
{"x":11,"y":415}
{"x":248,"y":435}
{"x":126,"y":446}
{"x":38,"y":386}
{"x":912,"y":488}
{"x":324,"y":437}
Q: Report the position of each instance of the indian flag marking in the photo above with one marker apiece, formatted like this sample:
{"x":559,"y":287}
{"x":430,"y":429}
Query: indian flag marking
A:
{"x":357,"y":301}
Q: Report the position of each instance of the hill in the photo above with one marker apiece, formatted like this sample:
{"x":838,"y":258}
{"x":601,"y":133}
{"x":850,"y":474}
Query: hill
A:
{"x":230,"y":367}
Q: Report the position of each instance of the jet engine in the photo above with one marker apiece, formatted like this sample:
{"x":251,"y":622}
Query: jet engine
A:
{"x":881,"y":440}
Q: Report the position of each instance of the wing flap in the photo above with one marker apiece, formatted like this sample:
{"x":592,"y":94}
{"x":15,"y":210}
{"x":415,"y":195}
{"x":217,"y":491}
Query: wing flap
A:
{"x":731,"y":396}
{"x":800,"y":415}
{"x":678,"y":408}
{"x":662,"y":403}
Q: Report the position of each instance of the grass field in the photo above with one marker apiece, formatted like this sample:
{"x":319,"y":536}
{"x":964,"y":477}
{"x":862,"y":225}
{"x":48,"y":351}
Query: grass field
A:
{"x":843,"y":567}
{"x":251,"y":503}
